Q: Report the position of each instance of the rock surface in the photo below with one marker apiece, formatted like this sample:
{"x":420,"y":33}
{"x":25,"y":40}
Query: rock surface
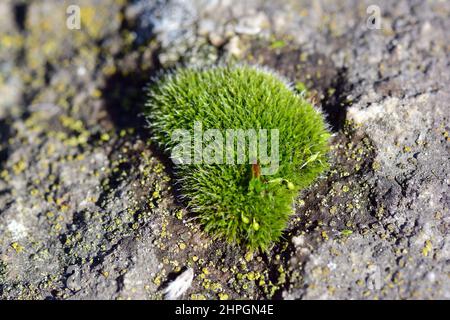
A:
{"x":87,"y":209}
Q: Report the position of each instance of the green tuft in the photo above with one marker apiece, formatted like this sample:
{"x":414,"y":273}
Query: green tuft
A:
{"x":234,"y":201}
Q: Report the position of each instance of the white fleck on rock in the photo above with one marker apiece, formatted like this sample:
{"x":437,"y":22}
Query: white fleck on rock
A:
{"x":252,"y":25}
{"x":177,"y":287}
{"x":17,"y":229}
{"x":234,"y":47}
{"x":81,"y":71}
{"x":298,"y":241}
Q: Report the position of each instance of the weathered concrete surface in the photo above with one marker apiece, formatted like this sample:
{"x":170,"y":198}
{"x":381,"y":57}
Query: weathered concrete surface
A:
{"x":86,"y":205}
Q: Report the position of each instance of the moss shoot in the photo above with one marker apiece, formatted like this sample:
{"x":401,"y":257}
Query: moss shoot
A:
{"x":238,"y":201}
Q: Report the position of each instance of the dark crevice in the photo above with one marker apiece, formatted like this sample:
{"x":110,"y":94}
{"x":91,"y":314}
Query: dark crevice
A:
{"x":125,"y":98}
{"x":335,"y":101}
{"x":5,"y":134}
{"x":20,"y":14}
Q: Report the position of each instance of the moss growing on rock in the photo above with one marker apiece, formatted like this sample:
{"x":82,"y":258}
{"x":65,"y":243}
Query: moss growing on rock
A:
{"x":247,"y":202}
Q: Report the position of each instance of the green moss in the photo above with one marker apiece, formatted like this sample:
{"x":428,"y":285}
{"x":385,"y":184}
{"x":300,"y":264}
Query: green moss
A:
{"x":235,"y":201}
{"x":278,"y":44}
